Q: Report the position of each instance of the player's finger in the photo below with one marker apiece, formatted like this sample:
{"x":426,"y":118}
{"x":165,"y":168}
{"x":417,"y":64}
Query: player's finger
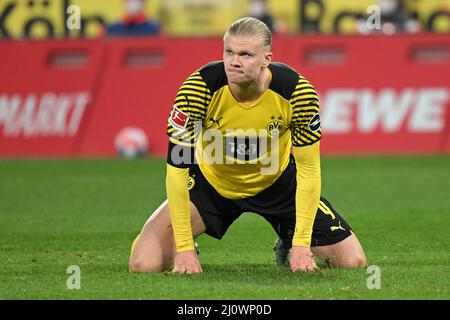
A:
{"x":197,"y":269}
{"x":309,"y":268}
{"x":178,"y":269}
{"x":297,"y":268}
{"x":304,"y":268}
{"x":316,"y":267}
{"x":193,"y":270}
{"x":313,"y":268}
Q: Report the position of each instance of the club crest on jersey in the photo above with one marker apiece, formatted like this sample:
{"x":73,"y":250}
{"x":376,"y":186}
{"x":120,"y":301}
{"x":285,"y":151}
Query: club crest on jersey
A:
{"x":178,"y":118}
{"x":191,"y":182}
{"x":314,"y":123}
{"x":276,"y":126}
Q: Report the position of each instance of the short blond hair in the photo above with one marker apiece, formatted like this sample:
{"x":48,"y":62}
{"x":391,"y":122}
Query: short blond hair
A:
{"x":249,"y":27}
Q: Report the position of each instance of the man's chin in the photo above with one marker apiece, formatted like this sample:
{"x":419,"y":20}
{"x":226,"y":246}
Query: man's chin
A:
{"x":236,"y":80}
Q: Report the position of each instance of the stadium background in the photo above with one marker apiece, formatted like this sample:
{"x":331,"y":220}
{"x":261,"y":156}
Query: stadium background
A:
{"x":101,"y":85}
{"x":67,"y":93}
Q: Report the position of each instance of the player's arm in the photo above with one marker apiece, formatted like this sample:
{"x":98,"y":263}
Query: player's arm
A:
{"x":186,"y":260}
{"x":183,"y":127}
{"x":178,"y":197}
{"x":307,"y":198}
{"x":305,"y":129}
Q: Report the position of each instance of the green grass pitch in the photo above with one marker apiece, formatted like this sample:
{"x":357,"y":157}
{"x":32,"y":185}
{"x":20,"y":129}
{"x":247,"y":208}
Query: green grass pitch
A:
{"x":58,"y":213}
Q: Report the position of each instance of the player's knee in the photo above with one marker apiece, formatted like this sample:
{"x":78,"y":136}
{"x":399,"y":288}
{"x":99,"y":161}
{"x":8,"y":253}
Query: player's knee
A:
{"x":362,"y":262}
{"x":151,"y":259}
{"x":144,"y":265}
{"x":357,"y":260}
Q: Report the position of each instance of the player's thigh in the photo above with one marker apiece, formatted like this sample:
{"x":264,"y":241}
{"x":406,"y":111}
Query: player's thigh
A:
{"x":347,"y":253}
{"x":160,"y":223}
{"x":155,"y":244}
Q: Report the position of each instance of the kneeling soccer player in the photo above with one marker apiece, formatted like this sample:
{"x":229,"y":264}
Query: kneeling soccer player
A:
{"x":231,"y":131}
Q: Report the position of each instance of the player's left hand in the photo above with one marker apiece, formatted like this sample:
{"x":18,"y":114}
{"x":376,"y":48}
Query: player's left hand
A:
{"x":302,"y":259}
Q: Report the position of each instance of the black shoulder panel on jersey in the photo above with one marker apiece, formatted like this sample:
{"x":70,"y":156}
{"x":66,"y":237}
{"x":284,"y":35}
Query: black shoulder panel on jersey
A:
{"x":181,"y":156}
{"x":214,"y":75}
{"x":284,"y":79}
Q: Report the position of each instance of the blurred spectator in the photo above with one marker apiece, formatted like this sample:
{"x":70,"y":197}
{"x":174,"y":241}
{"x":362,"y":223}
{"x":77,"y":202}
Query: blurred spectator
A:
{"x":258,"y":9}
{"x":135,"y":22}
{"x":394,"y":18}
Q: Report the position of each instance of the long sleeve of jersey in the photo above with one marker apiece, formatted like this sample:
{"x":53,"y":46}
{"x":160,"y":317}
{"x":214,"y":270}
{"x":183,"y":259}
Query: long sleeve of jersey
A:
{"x":307,"y":195}
{"x":306,"y":133}
{"x":179,"y":207}
{"x":185,"y":120}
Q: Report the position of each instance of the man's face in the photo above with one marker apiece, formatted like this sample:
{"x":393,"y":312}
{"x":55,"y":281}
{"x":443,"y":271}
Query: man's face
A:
{"x":244,"y":58}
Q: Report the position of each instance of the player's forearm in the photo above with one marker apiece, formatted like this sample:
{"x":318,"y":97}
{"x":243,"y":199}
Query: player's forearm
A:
{"x":308,"y":192}
{"x":179,"y":207}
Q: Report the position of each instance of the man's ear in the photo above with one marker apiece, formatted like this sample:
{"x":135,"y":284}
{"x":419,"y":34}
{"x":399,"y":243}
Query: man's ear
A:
{"x":268,"y":59}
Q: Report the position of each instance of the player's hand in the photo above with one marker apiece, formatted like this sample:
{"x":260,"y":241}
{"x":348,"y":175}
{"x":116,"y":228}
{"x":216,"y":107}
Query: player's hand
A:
{"x":302,"y":259}
{"x":187,"y":262}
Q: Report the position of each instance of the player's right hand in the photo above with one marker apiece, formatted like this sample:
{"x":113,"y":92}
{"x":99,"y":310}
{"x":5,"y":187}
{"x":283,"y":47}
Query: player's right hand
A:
{"x":187,"y":262}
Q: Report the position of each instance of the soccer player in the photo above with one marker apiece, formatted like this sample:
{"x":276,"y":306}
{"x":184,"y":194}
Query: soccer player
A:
{"x":231,"y":131}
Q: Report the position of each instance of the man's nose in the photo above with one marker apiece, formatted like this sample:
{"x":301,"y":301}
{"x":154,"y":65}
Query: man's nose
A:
{"x":235,"y":61}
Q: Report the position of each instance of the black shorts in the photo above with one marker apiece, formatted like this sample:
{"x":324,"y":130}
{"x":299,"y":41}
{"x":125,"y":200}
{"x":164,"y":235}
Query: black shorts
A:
{"x":276,"y":204}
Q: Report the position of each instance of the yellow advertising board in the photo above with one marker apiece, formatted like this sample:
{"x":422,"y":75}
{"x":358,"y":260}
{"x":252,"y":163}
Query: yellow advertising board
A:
{"x":40,"y":19}
{"x":48,"y":18}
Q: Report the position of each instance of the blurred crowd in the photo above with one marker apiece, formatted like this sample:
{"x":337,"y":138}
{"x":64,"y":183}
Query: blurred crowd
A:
{"x":135,"y":21}
{"x":393,"y":18}
{"x":149,"y":18}
{"x":384,"y":17}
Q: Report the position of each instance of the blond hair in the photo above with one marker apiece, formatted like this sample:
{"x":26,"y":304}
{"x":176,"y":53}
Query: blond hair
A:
{"x":249,"y":27}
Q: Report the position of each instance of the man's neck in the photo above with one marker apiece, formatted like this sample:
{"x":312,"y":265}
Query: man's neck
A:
{"x":252,"y":91}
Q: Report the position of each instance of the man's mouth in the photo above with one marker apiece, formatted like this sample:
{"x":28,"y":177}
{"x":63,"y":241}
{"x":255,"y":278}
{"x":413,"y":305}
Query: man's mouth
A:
{"x":237,"y":71}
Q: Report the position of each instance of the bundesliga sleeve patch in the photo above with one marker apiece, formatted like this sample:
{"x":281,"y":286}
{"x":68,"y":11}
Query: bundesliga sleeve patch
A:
{"x":178,"y":118}
{"x":314,"y":123}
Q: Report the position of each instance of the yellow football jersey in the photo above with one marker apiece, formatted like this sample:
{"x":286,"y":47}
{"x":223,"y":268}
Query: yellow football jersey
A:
{"x":242,"y":148}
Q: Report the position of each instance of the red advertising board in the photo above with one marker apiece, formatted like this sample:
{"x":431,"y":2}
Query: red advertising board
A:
{"x":379,"y":94}
{"x":46,"y":90}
